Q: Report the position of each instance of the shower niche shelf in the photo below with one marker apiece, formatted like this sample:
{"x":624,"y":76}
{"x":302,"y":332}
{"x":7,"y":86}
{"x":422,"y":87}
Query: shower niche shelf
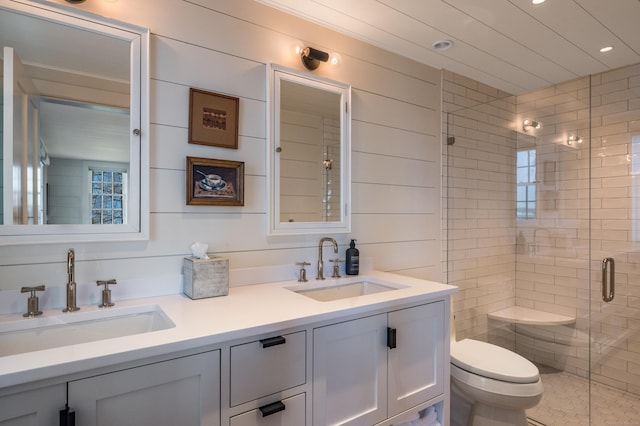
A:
{"x":522,"y":315}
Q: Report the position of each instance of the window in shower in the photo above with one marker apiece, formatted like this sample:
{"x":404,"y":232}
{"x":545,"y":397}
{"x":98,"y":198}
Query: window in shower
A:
{"x":526,"y":184}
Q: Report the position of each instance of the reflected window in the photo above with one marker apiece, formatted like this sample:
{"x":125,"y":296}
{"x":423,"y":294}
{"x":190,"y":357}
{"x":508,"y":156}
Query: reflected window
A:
{"x":526,"y":184}
{"x":108,"y":196}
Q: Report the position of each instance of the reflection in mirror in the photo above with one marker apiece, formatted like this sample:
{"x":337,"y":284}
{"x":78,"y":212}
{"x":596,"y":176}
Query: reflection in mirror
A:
{"x":69,"y":164}
{"x":310,"y":154}
{"x":71,"y":158}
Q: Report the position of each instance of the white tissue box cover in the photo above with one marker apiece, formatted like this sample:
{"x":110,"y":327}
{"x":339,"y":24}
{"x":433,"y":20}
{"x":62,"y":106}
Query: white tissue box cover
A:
{"x":206,"y":277}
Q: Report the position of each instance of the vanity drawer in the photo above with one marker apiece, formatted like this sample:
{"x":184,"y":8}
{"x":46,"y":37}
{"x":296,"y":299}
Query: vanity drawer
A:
{"x":291,"y":412}
{"x":267,"y":366}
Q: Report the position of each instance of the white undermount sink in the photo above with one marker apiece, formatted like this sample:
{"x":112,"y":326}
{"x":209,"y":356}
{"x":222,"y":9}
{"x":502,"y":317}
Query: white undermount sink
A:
{"x":338,"y":291}
{"x":47,"y":332}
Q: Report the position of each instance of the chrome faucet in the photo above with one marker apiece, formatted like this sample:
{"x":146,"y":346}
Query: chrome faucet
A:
{"x":320,"y":275}
{"x":71,"y":282}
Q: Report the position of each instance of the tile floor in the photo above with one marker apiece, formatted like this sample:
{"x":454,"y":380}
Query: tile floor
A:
{"x":566,"y":400}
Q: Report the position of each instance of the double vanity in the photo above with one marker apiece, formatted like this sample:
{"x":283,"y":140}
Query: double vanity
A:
{"x":366,"y":350}
{"x":362,"y":350}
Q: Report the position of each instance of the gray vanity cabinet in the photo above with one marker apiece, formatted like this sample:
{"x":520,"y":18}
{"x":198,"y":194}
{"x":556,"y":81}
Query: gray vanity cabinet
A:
{"x":267,"y":381}
{"x":350,"y":372}
{"x":267,"y":366}
{"x":292,"y":412}
{"x":378,"y":368}
{"x":417,"y":366}
{"x":183,"y":391}
{"x":368,"y":370}
{"x":38,"y":406}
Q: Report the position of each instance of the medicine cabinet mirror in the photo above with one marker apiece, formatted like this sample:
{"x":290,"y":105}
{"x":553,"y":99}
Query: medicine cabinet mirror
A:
{"x":309,"y":154}
{"x":75,"y":152}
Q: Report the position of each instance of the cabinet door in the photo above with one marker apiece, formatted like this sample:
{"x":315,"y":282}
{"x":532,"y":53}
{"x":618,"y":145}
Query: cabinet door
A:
{"x":350,"y":372}
{"x":416,"y":365}
{"x":39,"y":407}
{"x":183,"y":391}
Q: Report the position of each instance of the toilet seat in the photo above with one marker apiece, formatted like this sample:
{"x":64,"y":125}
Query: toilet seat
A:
{"x":494,"y":362}
{"x":480,"y":387}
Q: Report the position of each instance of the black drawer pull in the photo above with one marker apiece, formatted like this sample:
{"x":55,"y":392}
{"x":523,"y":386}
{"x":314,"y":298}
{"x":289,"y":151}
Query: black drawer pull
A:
{"x":273,"y":341}
{"x":391,"y":338}
{"x":270,"y":409}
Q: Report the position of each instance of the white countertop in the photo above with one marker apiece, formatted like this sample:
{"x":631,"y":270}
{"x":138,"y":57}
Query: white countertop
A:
{"x":246,"y":311}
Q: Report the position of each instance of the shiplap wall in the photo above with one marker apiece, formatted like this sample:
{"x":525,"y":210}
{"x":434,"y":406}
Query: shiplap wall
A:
{"x":301,"y":175}
{"x":309,"y":191}
{"x":223,"y":46}
{"x":65,"y":177}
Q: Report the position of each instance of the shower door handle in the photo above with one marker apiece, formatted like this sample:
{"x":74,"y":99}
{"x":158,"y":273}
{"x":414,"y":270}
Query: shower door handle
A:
{"x":608,"y":279}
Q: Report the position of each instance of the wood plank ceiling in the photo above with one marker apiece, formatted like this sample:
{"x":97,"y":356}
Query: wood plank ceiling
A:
{"x":513,"y":45}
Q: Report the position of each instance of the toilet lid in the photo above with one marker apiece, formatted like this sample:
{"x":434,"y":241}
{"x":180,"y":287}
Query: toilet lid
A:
{"x":494,"y":362}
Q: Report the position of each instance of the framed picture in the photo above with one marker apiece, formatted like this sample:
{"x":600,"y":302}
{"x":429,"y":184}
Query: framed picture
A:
{"x":215,"y":182}
{"x":213,"y":119}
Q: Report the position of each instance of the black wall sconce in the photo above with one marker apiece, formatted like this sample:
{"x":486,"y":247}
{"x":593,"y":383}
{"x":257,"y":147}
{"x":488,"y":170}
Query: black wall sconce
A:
{"x":311,"y":57}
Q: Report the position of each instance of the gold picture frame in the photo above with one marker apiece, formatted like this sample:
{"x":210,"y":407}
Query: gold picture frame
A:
{"x":214,"y":182}
{"x":213,"y":119}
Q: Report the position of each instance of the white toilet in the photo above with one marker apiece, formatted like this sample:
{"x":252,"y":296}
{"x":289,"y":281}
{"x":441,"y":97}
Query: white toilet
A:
{"x":490,"y":385}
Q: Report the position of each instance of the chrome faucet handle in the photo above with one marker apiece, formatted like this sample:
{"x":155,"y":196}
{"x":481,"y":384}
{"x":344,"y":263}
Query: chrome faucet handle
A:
{"x":336,"y":267}
{"x":303,"y":272}
{"x":106,"y":293}
{"x":32,"y":303}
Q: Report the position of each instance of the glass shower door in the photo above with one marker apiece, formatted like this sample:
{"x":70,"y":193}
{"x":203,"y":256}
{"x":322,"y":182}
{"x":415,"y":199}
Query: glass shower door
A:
{"x":568,"y":193}
{"x":553,"y":246}
{"x":615,"y":254}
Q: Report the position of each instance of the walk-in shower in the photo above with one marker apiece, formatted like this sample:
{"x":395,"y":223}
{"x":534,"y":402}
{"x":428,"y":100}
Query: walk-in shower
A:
{"x":535,"y":217}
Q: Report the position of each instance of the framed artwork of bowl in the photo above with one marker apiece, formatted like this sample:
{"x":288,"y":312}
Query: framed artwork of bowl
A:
{"x":214,"y":182}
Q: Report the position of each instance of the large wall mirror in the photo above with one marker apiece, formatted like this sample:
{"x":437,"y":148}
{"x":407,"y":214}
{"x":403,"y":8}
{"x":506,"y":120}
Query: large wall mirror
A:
{"x":309,"y":154}
{"x":75,"y":126}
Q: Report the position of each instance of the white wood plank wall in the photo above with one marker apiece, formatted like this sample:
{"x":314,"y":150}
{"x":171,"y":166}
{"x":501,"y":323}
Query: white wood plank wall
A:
{"x":223,"y":46}
{"x":301,"y":179}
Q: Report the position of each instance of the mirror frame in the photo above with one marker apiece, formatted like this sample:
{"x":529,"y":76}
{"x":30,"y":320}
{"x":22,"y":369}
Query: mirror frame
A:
{"x":137,"y":227}
{"x":276,"y":74}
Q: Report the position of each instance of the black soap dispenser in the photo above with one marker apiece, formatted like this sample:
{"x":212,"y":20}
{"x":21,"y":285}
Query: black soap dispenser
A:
{"x":352,"y":266}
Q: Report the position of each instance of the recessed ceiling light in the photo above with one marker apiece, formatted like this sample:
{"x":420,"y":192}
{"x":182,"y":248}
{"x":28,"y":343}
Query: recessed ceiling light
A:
{"x":606,"y":49}
{"x":537,"y":1}
{"x":442,"y":44}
